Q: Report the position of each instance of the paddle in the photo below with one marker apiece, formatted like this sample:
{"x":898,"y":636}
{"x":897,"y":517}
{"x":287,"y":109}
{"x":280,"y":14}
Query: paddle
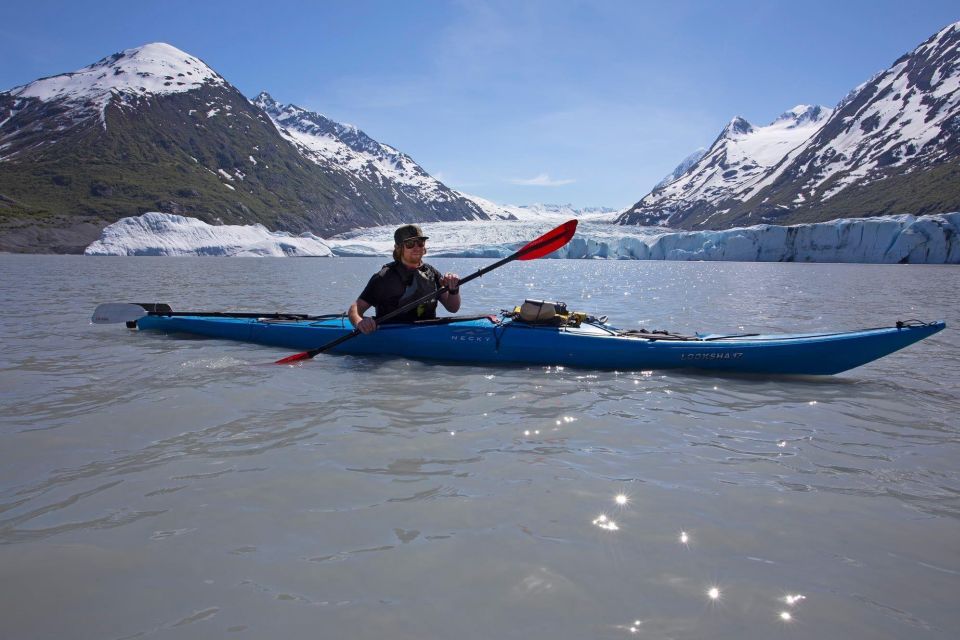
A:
{"x":116,"y":312}
{"x":113,"y":312}
{"x":545,"y":244}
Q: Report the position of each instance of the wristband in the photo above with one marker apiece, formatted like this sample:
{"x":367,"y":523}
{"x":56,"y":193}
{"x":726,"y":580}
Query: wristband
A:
{"x":454,"y":292}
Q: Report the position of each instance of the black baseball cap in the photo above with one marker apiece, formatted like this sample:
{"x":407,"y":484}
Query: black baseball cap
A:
{"x":408,"y":232}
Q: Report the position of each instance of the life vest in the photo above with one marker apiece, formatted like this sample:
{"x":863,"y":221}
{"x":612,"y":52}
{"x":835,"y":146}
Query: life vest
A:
{"x":422,"y":283}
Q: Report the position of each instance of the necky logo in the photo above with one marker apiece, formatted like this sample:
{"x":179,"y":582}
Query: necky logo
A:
{"x":471,"y":335}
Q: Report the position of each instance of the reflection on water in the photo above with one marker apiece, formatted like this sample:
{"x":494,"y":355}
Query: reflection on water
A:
{"x":191,"y":492}
{"x":605,"y":523}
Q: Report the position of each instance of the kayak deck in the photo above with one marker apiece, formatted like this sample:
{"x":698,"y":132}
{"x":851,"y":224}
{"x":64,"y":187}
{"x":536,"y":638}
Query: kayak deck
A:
{"x":491,"y":340}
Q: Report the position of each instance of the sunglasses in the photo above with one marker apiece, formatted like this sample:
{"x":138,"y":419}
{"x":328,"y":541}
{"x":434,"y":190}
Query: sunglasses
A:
{"x":417,"y":242}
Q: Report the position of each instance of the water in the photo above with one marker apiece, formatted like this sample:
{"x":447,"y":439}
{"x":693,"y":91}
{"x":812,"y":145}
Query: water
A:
{"x":155,"y":487}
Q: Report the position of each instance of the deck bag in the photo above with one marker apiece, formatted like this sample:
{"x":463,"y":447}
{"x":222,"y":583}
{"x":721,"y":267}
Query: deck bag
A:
{"x":540,"y":311}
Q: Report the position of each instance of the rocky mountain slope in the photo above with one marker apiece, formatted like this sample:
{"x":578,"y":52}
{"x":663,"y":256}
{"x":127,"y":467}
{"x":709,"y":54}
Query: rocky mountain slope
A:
{"x":891,"y":146}
{"x":155,"y":129}
{"x":372,"y":166}
{"x":682,"y":168}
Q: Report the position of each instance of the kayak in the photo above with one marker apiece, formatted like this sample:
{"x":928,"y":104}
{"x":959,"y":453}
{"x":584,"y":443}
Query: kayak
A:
{"x":591,"y":344}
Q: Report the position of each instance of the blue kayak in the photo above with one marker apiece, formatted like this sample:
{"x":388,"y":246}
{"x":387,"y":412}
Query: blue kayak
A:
{"x":589,"y":345}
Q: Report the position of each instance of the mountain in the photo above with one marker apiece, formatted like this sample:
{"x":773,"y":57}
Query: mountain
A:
{"x":740,"y":156}
{"x":343,"y":149}
{"x":682,"y":168}
{"x":891,"y":146}
{"x":156,"y":129}
{"x":543,"y":212}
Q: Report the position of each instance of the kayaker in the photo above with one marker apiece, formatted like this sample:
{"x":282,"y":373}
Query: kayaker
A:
{"x":404,"y":280}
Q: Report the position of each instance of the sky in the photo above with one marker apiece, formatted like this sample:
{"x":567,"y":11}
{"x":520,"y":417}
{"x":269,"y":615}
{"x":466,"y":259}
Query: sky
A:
{"x":520,"y":102}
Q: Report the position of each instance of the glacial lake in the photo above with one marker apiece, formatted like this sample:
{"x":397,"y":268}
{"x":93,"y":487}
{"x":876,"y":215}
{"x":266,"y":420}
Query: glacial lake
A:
{"x":160,"y":487}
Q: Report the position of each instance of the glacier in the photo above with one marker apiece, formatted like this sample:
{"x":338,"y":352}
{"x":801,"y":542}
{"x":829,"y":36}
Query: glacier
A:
{"x":165,"y":234}
{"x":899,"y":239}
{"x":905,"y":238}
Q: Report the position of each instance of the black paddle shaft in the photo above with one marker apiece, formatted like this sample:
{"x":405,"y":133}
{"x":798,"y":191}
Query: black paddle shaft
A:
{"x":541,"y":246}
{"x":410,"y":305}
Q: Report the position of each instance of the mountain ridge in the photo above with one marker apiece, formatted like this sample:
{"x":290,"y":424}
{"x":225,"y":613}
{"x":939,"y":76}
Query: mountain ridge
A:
{"x":739,"y":156}
{"x":337,"y":147}
{"x":155,"y":129}
{"x":892,"y":145}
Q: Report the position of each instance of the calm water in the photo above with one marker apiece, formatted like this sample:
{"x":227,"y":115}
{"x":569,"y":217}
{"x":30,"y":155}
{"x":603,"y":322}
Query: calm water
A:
{"x":153,"y":487}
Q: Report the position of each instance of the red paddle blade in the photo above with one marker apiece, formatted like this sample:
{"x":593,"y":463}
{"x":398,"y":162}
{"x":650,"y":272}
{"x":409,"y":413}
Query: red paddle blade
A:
{"x":297,"y":357}
{"x":548,"y":242}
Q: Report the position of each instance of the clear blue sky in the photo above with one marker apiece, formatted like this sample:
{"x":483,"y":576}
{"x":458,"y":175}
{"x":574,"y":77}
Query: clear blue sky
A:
{"x":521,"y":101}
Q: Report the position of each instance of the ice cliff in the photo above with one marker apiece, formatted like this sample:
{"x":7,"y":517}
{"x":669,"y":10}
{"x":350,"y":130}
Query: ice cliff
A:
{"x":932,"y":239}
{"x":164,"y":234}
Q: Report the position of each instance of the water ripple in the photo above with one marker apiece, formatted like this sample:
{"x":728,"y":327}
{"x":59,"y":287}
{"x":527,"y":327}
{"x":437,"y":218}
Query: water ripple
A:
{"x":251,"y":493}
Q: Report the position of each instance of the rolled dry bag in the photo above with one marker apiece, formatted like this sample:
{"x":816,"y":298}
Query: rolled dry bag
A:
{"x":541,"y":310}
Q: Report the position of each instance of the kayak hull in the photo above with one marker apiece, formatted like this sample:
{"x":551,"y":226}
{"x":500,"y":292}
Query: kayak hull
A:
{"x":590,"y":346}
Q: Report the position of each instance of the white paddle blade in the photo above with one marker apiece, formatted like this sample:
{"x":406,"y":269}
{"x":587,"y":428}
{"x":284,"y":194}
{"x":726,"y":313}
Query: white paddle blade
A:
{"x":114,"y":312}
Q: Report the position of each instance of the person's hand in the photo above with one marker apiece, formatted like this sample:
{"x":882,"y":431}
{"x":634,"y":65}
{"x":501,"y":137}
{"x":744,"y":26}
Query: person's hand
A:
{"x":367,"y":326}
{"x":450,"y":281}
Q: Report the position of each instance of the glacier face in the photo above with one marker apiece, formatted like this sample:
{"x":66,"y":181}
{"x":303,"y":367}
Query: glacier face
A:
{"x":165,"y":234}
{"x":933,"y":239}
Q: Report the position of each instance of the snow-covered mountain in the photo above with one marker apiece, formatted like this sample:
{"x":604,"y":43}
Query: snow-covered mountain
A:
{"x":741,"y":156}
{"x":892,"y":145}
{"x":545,"y":212}
{"x":685,"y":165}
{"x":123,"y":79}
{"x":894,"y":239}
{"x":346,"y":149}
{"x":155,"y":129}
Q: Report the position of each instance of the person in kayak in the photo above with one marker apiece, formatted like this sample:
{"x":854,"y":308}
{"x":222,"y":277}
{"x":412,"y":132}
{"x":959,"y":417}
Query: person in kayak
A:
{"x":404,"y":280}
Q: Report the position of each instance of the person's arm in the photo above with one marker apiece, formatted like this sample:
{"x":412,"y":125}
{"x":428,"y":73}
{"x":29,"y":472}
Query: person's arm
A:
{"x":451,"y":299}
{"x":355,"y":313}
